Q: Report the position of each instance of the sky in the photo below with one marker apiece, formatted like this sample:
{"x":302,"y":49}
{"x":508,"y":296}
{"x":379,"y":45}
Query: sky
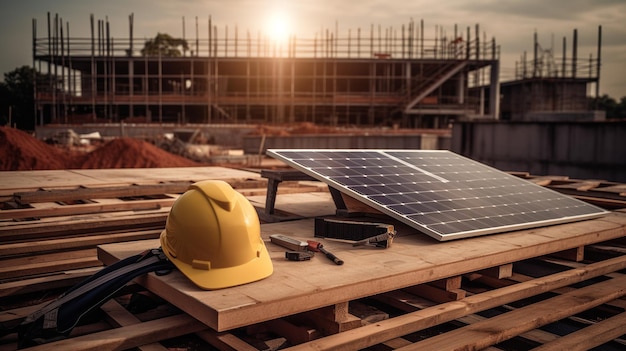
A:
{"x":511,"y":22}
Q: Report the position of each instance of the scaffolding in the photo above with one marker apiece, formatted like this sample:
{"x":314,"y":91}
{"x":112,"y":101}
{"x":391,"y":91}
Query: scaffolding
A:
{"x":381,"y":76}
{"x":547,"y":86}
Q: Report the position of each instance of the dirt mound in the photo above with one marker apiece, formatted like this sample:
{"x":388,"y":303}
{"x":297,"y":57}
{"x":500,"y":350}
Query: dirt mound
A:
{"x":20,"y":151}
{"x":132,"y":153}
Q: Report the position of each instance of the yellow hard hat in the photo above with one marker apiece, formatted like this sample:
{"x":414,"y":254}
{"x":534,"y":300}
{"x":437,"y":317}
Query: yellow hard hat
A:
{"x":213,"y":236}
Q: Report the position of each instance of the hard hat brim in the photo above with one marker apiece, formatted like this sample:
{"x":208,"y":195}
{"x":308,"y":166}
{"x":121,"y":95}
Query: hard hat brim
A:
{"x":219,"y":278}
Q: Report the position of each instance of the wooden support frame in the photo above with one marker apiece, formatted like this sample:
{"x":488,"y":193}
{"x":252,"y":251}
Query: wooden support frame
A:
{"x":382,"y":331}
{"x":508,"y":325}
{"x":576,"y":254}
{"x":499,"y":272}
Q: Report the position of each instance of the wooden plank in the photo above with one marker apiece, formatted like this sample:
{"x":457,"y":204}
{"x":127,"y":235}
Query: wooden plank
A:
{"x":225,"y":341}
{"x":413,"y":259}
{"x":138,"y":205}
{"x":397,"y":343}
{"x":576,"y":254}
{"x":121,"y":317}
{"x":9,"y":271}
{"x":16,"y":315}
{"x":59,"y":280}
{"x":100,"y":193}
{"x":293,"y":333}
{"x":589,"y":337}
{"x":331,"y":324}
{"x":44,"y":230}
{"x":19,"y":180}
{"x":91,"y":241}
{"x":536,"y":335}
{"x":366,"y":313}
{"x":382,"y":331}
{"x":435,"y":294}
{"x":128,"y":337}
{"x":498,"y":272}
{"x":448,"y":283}
{"x":505,"y":326}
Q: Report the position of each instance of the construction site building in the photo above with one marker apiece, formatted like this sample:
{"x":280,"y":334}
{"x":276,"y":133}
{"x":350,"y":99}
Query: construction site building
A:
{"x":376,"y":77}
{"x":551,"y":88}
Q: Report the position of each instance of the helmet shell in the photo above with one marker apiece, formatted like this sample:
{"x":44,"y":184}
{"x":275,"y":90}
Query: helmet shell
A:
{"x":213,"y":236}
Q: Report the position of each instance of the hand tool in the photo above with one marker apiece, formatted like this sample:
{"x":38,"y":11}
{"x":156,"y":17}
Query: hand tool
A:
{"x":316,"y":246}
{"x":288,"y":242}
{"x":298,"y":255}
{"x":382,"y":240}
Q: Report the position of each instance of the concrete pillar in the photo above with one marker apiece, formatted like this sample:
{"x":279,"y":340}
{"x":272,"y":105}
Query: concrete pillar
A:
{"x":494,"y":90}
{"x":461,"y":88}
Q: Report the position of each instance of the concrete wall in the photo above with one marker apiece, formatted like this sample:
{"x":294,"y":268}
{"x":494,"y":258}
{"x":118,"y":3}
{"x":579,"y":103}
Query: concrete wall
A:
{"x":238,"y":136}
{"x":583,"y":150}
{"x":227,"y":135}
{"x":252,"y":144}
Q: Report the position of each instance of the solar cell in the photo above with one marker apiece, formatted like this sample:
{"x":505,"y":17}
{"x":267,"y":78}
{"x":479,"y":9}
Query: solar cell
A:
{"x":438,"y":192}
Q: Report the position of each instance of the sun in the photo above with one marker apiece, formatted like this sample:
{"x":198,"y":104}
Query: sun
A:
{"x":278,"y":27}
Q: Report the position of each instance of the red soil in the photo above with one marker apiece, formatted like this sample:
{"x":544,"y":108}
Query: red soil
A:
{"x":20,"y":151}
{"x":132,"y":153}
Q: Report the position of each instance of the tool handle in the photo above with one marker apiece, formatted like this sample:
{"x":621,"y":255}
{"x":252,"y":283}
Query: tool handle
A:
{"x":330,"y":255}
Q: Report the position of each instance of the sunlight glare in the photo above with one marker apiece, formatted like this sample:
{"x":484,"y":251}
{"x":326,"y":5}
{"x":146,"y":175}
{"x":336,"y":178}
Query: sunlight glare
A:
{"x":278,"y":27}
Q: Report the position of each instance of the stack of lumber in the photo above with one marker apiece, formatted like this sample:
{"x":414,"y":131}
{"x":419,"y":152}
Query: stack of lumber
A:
{"x":553,"y":288}
{"x":603,"y":193}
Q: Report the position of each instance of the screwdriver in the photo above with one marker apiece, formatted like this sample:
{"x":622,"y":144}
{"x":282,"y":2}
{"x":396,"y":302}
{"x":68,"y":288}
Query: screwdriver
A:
{"x":316,"y":246}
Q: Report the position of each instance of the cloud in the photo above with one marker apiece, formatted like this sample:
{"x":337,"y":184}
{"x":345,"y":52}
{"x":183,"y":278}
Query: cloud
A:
{"x":567,"y":10}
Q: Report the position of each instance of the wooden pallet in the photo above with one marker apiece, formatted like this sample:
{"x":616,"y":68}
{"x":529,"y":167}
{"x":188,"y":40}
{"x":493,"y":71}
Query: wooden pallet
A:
{"x":419,"y":294}
{"x":493,"y":313}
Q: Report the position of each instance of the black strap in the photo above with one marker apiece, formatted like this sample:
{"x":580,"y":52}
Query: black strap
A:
{"x":56,"y":320}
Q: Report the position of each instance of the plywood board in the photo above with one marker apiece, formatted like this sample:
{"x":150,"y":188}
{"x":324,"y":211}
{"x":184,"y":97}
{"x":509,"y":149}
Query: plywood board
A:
{"x":29,"y":180}
{"x":413,"y":259}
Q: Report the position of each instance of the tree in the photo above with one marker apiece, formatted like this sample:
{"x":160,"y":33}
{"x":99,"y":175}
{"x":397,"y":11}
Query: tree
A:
{"x":165,"y":45}
{"x":17,"y":99}
{"x":613,"y":109}
{"x":620,"y":111}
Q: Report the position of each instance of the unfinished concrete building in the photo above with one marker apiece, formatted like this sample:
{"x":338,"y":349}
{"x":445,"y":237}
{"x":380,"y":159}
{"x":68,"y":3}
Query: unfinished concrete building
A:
{"x":379,"y":76}
{"x":551,"y":88}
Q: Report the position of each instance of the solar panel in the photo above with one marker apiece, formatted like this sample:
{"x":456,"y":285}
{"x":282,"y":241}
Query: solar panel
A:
{"x":438,"y":192}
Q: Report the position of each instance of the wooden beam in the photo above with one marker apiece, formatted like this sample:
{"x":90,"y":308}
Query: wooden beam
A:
{"x":536,"y":335}
{"x":35,"y":231}
{"x":505,"y":326}
{"x":91,"y":241}
{"x":499,"y":272}
{"x":120,"y":317}
{"x":448,"y":283}
{"x":435,"y":294}
{"x":589,"y":337}
{"x":138,"y":205}
{"x":295,"y":334}
{"x":100,"y":193}
{"x":224,"y":341}
{"x":576,"y":254}
{"x":130,"y":336}
{"x":60,"y":280}
{"x":392,"y":328}
{"x":24,"y":266}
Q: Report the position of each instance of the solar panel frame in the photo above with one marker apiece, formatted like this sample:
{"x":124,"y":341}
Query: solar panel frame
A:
{"x":432,"y":195}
